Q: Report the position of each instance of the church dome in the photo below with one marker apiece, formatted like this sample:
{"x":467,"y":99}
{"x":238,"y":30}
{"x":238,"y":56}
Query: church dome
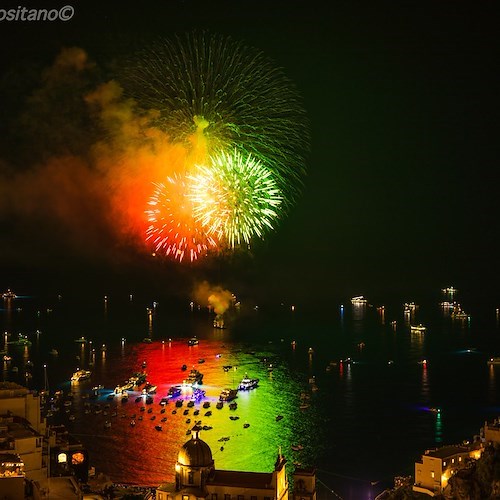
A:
{"x":195,"y":453}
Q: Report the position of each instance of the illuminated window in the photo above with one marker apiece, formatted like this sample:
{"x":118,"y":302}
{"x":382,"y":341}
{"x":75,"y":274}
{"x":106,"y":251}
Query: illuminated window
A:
{"x":459,"y":459}
{"x":185,"y":497}
{"x":452,"y":460}
{"x":77,"y":458}
{"x":432,"y":474}
{"x":62,"y":458}
{"x":444,"y":464}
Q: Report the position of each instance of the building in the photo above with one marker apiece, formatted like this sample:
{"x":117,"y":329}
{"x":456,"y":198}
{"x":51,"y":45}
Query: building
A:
{"x":42,"y":452}
{"x":17,"y":436}
{"x":436,"y":467}
{"x":21,"y":402}
{"x":11,"y":476}
{"x":491,"y":431}
{"x":68,"y":457}
{"x":197,"y":478}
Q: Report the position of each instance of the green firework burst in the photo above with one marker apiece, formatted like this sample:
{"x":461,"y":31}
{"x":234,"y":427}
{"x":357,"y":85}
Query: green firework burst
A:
{"x":235,"y":198}
{"x":232,"y":94}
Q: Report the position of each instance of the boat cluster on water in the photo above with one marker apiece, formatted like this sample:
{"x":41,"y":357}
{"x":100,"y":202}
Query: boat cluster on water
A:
{"x":451,"y":308}
{"x":175,"y":393}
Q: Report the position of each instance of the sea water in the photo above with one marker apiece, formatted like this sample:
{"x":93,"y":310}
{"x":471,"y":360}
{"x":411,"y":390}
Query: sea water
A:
{"x":347,"y":389}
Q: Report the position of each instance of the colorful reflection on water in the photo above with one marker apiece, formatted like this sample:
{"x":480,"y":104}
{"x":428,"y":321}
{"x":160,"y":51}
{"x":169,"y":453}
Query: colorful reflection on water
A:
{"x":374,"y":410}
{"x":150,"y":453}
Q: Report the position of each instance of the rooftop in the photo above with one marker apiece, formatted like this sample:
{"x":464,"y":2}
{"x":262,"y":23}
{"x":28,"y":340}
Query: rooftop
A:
{"x":11,"y":389}
{"x":256,"y":480}
{"x":447,"y":451}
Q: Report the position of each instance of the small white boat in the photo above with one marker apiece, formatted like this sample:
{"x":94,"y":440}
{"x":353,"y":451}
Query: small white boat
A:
{"x":9,"y":294}
{"x":418,"y":328}
{"x":359,"y":300}
{"x":80,"y":375}
{"x":248,"y":384}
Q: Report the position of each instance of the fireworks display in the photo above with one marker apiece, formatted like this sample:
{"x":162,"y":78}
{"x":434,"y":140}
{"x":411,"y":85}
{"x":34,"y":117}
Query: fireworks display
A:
{"x":243,"y":128}
{"x":235,"y":198}
{"x":172,"y":228}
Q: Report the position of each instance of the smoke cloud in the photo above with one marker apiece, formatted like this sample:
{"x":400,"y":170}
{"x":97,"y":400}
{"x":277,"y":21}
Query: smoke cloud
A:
{"x":80,"y":164}
{"x":214,"y":297}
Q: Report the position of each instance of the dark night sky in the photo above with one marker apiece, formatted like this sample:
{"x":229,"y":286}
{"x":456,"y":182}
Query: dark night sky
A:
{"x":401,"y":188}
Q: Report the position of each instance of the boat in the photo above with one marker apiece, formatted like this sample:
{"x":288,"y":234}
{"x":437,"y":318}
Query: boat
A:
{"x":81,"y":340}
{"x":233,"y":405}
{"x":149,"y":389}
{"x":193,"y":341}
{"x":9,"y":294}
{"x":201,"y":360}
{"x":158,"y":427}
{"x":459,"y":313}
{"x":147,"y":340}
{"x":297,"y":447}
{"x":54,"y":352}
{"x":132,"y":423}
{"x":219,"y":322}
{"x":279,"y":417}
{"x":228,"y":394}
{"x":358,"y":300}
{"x":410,"y":307}
{"x":197,"y":395}
{"x":447,"y":305}
{"x":137,"y":378}
{"x":494,"y":361}
{"x":81,"y":375}
{"x":246,"y":425}
{"x":107,"y":424}
{"x":248,"y":384}
{"x":184,"y":368}
{"x":22,"y":340}
{"x":194,"y":378}
{"x":219,"y":405}
{"x":174,"y":391}
{"x":418,"y":328}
